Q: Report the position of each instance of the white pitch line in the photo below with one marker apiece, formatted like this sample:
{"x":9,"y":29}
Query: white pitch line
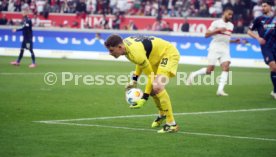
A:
{"x":182,"y":132}
{"x":150,"y":115}
{"x":11,"y":74}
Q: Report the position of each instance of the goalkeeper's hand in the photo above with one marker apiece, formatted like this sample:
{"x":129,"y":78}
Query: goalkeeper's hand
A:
{"x":139,"y":104}
{"x":131,"y":84}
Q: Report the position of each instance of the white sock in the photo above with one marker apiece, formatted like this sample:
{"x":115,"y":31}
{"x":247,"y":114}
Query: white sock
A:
{"x":222,"y":81}
{"x":200,"y":72}
{"x":172,"y":123}
{"x":160,"y":116}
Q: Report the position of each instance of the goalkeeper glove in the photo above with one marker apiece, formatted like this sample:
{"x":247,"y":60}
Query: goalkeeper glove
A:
{"x":140,"y":103}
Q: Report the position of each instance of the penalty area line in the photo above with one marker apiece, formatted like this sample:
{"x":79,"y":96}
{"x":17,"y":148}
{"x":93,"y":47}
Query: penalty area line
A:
{"x":151,"y":115}
{"x":151,"y":130}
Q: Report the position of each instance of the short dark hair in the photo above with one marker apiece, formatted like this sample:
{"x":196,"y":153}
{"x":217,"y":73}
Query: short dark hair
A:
{"x":269,"y":2}
{"x":113,"y":41}
{"x":227,"y":8}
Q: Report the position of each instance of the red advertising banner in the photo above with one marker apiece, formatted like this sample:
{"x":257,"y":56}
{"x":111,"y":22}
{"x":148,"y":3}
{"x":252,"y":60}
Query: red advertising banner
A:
{"x":198,"y":25}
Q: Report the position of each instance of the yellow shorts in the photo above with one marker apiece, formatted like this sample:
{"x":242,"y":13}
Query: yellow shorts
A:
{"x":169,"y":63}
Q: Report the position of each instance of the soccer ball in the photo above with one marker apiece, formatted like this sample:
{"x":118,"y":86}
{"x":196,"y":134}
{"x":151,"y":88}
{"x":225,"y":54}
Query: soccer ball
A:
{"x":133,"y":95}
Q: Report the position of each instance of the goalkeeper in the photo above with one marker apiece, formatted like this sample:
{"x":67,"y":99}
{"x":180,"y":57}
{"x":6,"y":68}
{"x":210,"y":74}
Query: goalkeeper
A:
{"x":158,"y":59}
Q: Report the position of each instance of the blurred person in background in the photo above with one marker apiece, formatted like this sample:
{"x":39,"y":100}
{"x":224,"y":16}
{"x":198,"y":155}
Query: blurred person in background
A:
{"x":116,"y":21}
{"x":257,"y":9}
{"x":4,"y":5}
{"x":3,"y":20}
{"x":27,"y":42}
{"x":81,"y":9}
{"x":185,"y":26}
{"x":159,"y":24}
{"x":17,"y":6}
{"x":131,"y":25}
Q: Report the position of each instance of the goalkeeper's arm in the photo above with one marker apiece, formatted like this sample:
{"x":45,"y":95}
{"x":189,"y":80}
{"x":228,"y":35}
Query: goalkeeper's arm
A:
{"x":135,"y":76}
{"x":149,"y":72}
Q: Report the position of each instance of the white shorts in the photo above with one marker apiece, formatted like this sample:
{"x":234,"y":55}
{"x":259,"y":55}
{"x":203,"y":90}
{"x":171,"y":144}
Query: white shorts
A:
{"x":220,"y":55}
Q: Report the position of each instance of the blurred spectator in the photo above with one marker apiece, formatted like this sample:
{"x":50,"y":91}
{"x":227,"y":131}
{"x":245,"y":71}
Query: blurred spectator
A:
{"x":81,"y":9}
{"x":239,"y":28}
{"x":103,"y":24}
{"x":64,"y":7}
{"x":203,"y":10}
{"x":91,"y":6}
{"x":11,"y":5}
{"x":228,"y":4}
{"x":196,"y":3}
{"x":148,"y":7}
{"x":172,"y":12}
{"x":113,"y":6}
{"x":239,"y":9}
{"x":55,"y":5}
{"x":193,"y":11}
{"x":25,"y":5}
{"x":257,"y":9}
{"x":33,"y":7}
{"x":154,"y":8}
{"x":158,"y":24}
{"x":40,"y":5}
{"x":4,"y":5}
{"x":165,"y":8}
{"x":186,"y":8}
{"x":46,"y":10}
{"x":116,"y":22}
{"x":185,"y":26}
{"x":3,"y":20}
{"x":69,"y":6}
{"x":131,"y":25}
{"x":167,"y":27}
{"x":17,"y":6}
{"x":135,"y":8}
{"x":123,"y":6}
{"x":36,"y":21}
{"x":216,"y":9}
{"x":148,"y":28}
{"x":106,"y":9}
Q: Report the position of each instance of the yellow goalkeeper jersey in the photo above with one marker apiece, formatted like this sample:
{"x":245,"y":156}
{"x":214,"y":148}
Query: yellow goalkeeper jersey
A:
{"x":149,"y":54}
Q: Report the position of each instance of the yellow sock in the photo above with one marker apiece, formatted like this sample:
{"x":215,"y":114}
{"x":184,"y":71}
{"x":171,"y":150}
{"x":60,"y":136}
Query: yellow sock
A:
{"x":158,"y":105}
{"x":166,"y":106}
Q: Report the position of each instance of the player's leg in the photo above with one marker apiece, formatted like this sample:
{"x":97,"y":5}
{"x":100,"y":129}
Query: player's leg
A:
{"x":17,"y":62}
{"x":161,"y":114}
{"x":212,"y":59}
{"x":202,"y":71}
{"x":225,"y":61}
{"x":30,"y":47}
{"x":269,"y":55}
{"x":223,"y":78}
{"x":165,"y":102}
{"x":272,"y":66}
{"x":166,"y":69}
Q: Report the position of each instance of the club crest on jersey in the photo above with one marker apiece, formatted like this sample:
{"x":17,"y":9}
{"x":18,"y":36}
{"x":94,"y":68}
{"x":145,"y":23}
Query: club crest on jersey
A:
{"x":269,"y":26}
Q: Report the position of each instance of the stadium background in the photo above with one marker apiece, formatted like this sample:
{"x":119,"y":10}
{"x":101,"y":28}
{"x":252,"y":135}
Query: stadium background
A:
{"x":95,"y":120}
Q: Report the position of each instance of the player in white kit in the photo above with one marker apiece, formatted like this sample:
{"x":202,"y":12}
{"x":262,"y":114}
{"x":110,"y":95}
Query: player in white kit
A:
{"x":219,"y":49}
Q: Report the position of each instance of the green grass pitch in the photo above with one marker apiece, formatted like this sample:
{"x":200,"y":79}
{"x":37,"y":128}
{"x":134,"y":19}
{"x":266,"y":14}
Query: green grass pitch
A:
{"x":26,"y":99}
